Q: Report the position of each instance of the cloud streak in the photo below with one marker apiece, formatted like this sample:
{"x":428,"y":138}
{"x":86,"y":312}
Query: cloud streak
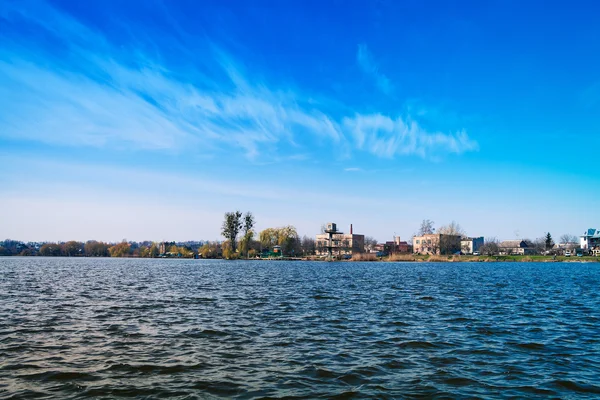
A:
{"x":386,"y":137}
{"x":368,"y":65}
{"x":99,"y":95}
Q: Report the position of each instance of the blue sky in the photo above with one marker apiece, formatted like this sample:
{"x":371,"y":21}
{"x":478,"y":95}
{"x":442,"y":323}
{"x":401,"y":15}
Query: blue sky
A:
{"x":150,"y":119}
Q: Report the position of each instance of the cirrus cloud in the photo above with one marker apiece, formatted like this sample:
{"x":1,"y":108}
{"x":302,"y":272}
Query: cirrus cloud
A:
{"x":96,"y":94}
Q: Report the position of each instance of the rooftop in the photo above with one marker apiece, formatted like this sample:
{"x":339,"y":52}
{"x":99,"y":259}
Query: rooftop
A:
{"x":593,"y":233}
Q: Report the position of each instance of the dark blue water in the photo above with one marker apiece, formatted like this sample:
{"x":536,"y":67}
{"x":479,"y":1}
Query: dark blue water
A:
{"x":106,"y":328}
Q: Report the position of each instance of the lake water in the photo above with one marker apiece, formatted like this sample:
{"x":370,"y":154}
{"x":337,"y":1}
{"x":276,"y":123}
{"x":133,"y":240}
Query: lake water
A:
{"x":105,"y":328}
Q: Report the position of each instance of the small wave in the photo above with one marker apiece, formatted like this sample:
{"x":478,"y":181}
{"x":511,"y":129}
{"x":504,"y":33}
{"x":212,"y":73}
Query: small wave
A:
{"x":132,"y":391}
{"x":491,"y":331}
{"x":417,"y":344}
{"x":155,"y":369}
{"x":59,"y":376}
{"x":459,"y":319}
{"x":324,"y":297}
{"x":459,"y":381}
{"x":400,"y":323}
{"x":395,"y":364}
{"x":325,"y":373}
{"x":17,"y":367}
{"x":195,"y":333}
{"x":198,"y":300}
{"x":368,"y":371}
{"x":536,"y":390}
{"x":219,"y":388}
{"x":352,"y":379}
{"x":577,"y":387}
{"x":529,"y":346}
{"x":478,"y":352}
{"x":348,"y":394}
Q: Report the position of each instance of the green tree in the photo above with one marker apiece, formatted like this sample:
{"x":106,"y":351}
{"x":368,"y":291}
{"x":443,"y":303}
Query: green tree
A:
{"x":231,"y":227}
{"x":268,"y":238}
{"x":73,"y":248}
{"x":144,"y":252}
{"x":153,"y":251}
{"x":228,"y":252}
{"x":93,"y":248}
{"x":209,"y":250}
{"x":120,"y":250}
{"x":286,"y":237}
{"x":149,"y":251}
{"x":288,"y":240}
{"x":173,"y":249}
{"x":248,"y":233}
{"x":50,"y":250}
{"x":549,"y":241}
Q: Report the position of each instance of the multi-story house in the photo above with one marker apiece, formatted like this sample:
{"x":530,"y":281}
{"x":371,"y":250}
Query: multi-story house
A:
{"x":436,"y":243}
{"x":590,"y":240}
{"x":337,"y":243}
{"x":470,"y":245}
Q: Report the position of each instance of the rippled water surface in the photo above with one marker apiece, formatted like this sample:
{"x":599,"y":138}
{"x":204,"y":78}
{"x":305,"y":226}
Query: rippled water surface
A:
{"x":106,"y":328}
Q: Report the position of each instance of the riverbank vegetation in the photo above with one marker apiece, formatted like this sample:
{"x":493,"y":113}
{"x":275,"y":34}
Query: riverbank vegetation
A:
{"x":242,"y":242}
{"x":94,"y":248}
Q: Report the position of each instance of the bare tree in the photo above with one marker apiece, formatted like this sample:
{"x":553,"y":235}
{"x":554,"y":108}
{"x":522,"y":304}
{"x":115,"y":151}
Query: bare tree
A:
{"x":453,"y":228}
{"x":569,"y":239}
{"x":449,"y":244}
{"x":370,"y":242}
{"x":308,"y":245}
{"x":540,"y":245}
{"x":426,"y":227}
{"x":490,"y":247}
{"x":450,"y":239}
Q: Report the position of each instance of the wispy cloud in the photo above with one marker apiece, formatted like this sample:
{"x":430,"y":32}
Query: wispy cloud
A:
{"x":387,"y":137}
{"x":97,"y":94}
{"x":352,"y":169}
{"x":368,"y":65}
{"x":112,"y":98}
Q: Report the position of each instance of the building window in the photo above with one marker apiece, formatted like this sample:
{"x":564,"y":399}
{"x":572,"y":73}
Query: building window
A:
{"x":417,"y":242}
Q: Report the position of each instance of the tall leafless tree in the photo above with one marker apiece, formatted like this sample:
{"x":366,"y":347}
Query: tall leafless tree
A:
{"x":490,"y":247}
{"x":569,"y":239}
{"x":426,"y":227}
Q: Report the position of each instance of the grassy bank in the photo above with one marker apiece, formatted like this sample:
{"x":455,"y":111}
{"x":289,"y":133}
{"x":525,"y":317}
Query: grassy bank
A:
{"x":456,"y":258}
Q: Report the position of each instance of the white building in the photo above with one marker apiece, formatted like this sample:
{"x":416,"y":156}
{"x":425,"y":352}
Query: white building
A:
{"x":470,"y":245}
{"x":590,"y":239}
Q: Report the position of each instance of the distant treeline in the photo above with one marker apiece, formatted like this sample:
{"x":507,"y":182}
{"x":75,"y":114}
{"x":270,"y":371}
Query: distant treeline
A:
{"x":285,"y":237}
{"x":93,"y":248}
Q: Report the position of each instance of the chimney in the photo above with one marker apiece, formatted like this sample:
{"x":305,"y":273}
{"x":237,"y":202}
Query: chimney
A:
{"x":351,"y":229}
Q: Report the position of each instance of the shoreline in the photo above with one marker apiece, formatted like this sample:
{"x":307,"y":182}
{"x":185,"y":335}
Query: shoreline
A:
{"x":372,"y":258}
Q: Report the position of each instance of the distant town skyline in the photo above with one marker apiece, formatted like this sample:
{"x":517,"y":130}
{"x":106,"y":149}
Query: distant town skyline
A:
{"x":150,"y":120}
